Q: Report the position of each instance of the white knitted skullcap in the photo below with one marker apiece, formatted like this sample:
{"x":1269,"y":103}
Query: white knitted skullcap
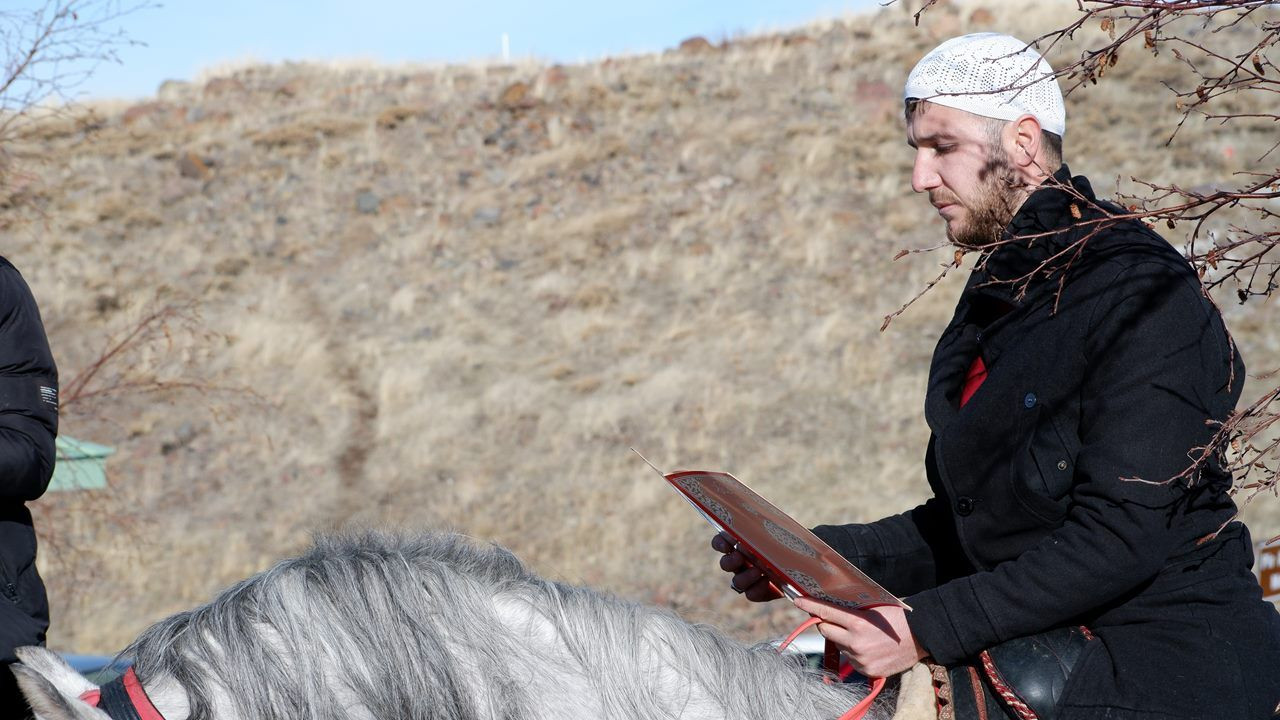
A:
{"x":965,"y":72}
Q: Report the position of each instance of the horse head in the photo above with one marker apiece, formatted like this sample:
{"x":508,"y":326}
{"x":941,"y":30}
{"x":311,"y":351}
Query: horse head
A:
{"x":55,"y":691}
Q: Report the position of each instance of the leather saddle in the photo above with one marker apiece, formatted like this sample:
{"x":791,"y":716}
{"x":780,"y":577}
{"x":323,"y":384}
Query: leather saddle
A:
{"x":1020,"y":679}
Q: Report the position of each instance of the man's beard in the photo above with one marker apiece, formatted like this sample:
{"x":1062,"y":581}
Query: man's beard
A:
{"x":997,"y":200}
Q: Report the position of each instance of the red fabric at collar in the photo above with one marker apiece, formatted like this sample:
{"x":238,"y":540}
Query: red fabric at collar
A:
{"x":977,"y":373}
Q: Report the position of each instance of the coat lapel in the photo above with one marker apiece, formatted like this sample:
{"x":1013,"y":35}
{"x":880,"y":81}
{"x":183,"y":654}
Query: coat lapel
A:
{"x":1007,"y":283}
{"x":951,"y":359}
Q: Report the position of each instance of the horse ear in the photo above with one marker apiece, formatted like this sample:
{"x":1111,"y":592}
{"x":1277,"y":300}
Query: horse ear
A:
{"x":52,"y":688}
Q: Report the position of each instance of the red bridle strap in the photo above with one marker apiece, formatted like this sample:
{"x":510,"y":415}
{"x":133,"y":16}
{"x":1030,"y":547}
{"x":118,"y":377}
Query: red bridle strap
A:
{"x":123,"y":699}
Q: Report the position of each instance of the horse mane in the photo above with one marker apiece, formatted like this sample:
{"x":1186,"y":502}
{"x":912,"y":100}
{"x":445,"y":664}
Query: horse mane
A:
{"x":437,"y":626}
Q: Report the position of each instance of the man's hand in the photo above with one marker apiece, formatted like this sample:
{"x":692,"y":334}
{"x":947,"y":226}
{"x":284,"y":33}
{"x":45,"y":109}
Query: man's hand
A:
{"x":876,"y":641}
{"x":747,"y":579}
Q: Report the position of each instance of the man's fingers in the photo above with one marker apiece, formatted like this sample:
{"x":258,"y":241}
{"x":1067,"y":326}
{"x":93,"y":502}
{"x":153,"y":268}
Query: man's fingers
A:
{"x":754,"y":586}
{"x":844,"y":618}
{"x":825,"y":611}
{"x":848,"y":643}
{"x":836,"y":634}
{"x":762,"y":592}
{"x":733,"y":562}
{"x":743,"y":580}
{"x":747,"y":580}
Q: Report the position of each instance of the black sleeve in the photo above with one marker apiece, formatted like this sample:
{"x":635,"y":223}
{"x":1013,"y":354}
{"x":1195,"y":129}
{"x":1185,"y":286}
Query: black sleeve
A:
{"x":901,"y":552}
{"x":28,"y":393}
{"x":1158,"y":364}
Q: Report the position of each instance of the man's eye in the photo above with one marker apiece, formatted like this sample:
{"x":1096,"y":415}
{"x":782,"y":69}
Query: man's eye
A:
{"x":944,"y":149}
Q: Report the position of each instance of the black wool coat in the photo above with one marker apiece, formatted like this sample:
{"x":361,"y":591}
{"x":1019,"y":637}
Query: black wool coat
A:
{"x":28,"y":426}
{"x":1106,"y":367}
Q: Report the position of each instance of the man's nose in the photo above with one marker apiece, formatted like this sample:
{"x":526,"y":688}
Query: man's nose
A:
{"x":923,"y":177}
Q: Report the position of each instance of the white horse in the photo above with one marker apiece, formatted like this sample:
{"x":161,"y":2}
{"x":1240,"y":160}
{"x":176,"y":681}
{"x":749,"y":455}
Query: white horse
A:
{"x":433,"y":627}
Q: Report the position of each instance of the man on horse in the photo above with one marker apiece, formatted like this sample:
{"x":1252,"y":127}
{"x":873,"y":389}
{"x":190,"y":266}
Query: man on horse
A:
{"x":1069,"y":563}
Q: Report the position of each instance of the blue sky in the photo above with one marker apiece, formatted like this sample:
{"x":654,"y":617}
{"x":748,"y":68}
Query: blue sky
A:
{"x":181,"y":37}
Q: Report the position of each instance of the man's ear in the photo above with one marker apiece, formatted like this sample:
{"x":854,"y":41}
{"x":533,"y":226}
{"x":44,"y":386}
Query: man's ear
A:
{"x":1027,"y":151}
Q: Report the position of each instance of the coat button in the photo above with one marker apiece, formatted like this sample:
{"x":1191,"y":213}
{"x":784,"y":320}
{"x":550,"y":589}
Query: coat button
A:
{"x":1029,"y":401}
{"x":965,"y":505}
{"x":1062,"y":464}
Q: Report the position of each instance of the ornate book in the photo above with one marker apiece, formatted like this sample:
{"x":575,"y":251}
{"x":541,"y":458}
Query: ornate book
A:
{"x":791,"y":557}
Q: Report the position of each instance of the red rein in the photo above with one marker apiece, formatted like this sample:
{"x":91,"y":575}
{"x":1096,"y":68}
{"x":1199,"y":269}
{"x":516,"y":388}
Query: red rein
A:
{"x":877,"y":684}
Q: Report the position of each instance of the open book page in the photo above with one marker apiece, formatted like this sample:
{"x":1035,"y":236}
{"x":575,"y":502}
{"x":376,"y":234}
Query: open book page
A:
{"x":793,"y":558}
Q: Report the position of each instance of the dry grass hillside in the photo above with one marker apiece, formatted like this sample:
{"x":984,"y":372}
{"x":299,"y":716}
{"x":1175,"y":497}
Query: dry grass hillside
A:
{"x":454,"y":297}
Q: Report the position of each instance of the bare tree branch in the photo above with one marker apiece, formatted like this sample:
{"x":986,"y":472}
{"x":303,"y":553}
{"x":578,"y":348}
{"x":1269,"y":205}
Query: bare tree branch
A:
{"x":50,"y":50}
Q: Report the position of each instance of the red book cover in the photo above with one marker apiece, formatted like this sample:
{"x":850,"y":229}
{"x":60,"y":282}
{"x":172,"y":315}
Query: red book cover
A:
{"x":794,"y":559}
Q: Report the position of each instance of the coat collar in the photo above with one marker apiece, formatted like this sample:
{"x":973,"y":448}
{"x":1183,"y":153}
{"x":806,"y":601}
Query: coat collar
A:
{"x":1032,"y":246}
{"x":1021,"y":272}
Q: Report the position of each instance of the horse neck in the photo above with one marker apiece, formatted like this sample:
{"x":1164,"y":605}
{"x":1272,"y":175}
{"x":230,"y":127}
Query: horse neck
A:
{"x":623,"y":661}
{"x":168,"y":698}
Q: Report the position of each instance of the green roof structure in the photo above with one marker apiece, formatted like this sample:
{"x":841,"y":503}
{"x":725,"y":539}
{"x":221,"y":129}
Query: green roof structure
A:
{"x":79,"y":465}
